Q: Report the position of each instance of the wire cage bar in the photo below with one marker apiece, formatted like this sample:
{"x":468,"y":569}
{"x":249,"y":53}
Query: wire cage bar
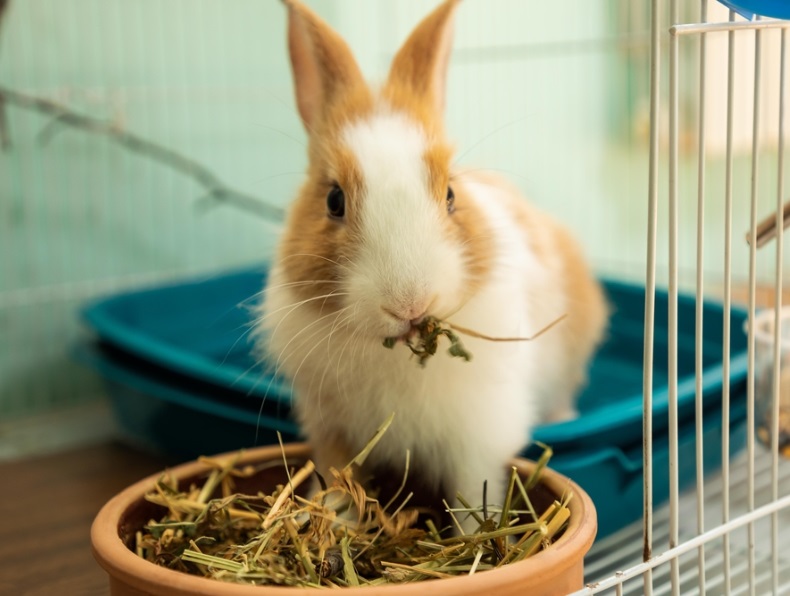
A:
{"x":740,"y":550}
{"x":700,"y":295}
{"x":777,"y":309}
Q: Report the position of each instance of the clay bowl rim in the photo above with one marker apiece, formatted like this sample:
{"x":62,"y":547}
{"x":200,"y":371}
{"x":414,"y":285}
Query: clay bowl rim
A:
{"x":124,"y":565}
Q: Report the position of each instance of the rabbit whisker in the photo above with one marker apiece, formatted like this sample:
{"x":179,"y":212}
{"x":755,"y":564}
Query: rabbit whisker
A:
{"x":488,"y":135}
{"x":294,"y":305}
{"x":281,"y":362}
{"x":327,"y":259}
{"x":306,"y":356}
{"x":338,"y":322}
{"x":289,"y":284}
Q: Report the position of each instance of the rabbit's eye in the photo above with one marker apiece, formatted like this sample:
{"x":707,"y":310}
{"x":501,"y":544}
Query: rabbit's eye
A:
{"x":450,"y":200}
{"x":336,"y":202}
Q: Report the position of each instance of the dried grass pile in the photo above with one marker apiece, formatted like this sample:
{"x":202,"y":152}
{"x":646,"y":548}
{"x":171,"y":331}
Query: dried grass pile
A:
{"x":341,"y":536}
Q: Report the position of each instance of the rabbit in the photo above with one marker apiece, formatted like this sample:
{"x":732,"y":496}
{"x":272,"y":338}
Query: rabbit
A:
{"x":383,"y":233}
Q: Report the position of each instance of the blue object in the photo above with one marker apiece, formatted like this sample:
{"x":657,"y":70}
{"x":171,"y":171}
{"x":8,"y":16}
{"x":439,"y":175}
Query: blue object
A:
{"x":160,"y":413}
{"x":748,"y":9}
{"x":199,"y":329}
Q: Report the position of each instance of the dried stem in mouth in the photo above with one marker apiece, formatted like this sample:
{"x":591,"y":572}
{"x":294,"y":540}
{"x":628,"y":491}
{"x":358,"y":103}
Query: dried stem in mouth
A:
{"x":477,"y":334}
{"x":423,"y":339}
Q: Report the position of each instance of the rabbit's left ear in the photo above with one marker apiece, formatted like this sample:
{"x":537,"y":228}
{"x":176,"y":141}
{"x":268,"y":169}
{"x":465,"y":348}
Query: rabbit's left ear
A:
{"x":322,"y":64}
{"x":420,"y":66}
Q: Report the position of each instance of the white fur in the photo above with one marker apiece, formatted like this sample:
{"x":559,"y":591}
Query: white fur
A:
{"x":405,"y":263}
{"x":461,"y":421}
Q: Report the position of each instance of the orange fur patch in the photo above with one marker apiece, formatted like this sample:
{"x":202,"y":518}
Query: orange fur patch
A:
{"x":474,"y":235}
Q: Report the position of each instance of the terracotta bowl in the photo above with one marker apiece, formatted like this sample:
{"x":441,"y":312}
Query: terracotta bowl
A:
{"x":555,"y":571}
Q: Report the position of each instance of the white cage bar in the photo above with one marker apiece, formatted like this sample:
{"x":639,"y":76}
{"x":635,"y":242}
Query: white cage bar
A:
{"x":700,"y":295}
{"x":777,"y":309}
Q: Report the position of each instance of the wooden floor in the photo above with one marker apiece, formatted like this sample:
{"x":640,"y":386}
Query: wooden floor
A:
{"x":47,"y":505}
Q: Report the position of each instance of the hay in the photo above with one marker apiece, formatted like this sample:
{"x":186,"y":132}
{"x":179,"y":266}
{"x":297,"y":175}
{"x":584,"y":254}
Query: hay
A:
{"x":341,"y":536}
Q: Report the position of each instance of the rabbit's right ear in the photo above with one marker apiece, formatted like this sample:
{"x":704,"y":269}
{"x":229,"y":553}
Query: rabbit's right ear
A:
{"x":321,"y":62}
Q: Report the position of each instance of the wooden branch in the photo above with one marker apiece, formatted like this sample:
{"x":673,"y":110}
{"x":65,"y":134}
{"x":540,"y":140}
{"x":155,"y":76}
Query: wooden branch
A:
{"x":63,"y":116}
{"x":768,"y":229}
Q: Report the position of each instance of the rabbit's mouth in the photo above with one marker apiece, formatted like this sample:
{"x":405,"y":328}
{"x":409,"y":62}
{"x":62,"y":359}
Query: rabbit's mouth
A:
{"x":423,"y":340}
{"x":405,"y":338}
{"x":411,"y":333}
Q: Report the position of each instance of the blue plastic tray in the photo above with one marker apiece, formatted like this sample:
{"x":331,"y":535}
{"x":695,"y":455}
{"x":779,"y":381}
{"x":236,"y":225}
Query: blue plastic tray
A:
{"x":182,"y":419}
{"x":199,"y":330}
{"x":198,"y":327}
{"x":166,"y":415}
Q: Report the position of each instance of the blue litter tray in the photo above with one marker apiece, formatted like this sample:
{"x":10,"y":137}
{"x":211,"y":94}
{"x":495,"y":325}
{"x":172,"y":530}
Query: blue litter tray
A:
{"x":170,"y":415}
{"x":199,"y":330}
{"x":166,"y":415}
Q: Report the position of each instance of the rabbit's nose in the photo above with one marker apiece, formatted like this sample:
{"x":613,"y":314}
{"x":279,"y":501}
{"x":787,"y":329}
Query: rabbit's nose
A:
{"x":412,"y":315}
{"x":413,"y":312}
